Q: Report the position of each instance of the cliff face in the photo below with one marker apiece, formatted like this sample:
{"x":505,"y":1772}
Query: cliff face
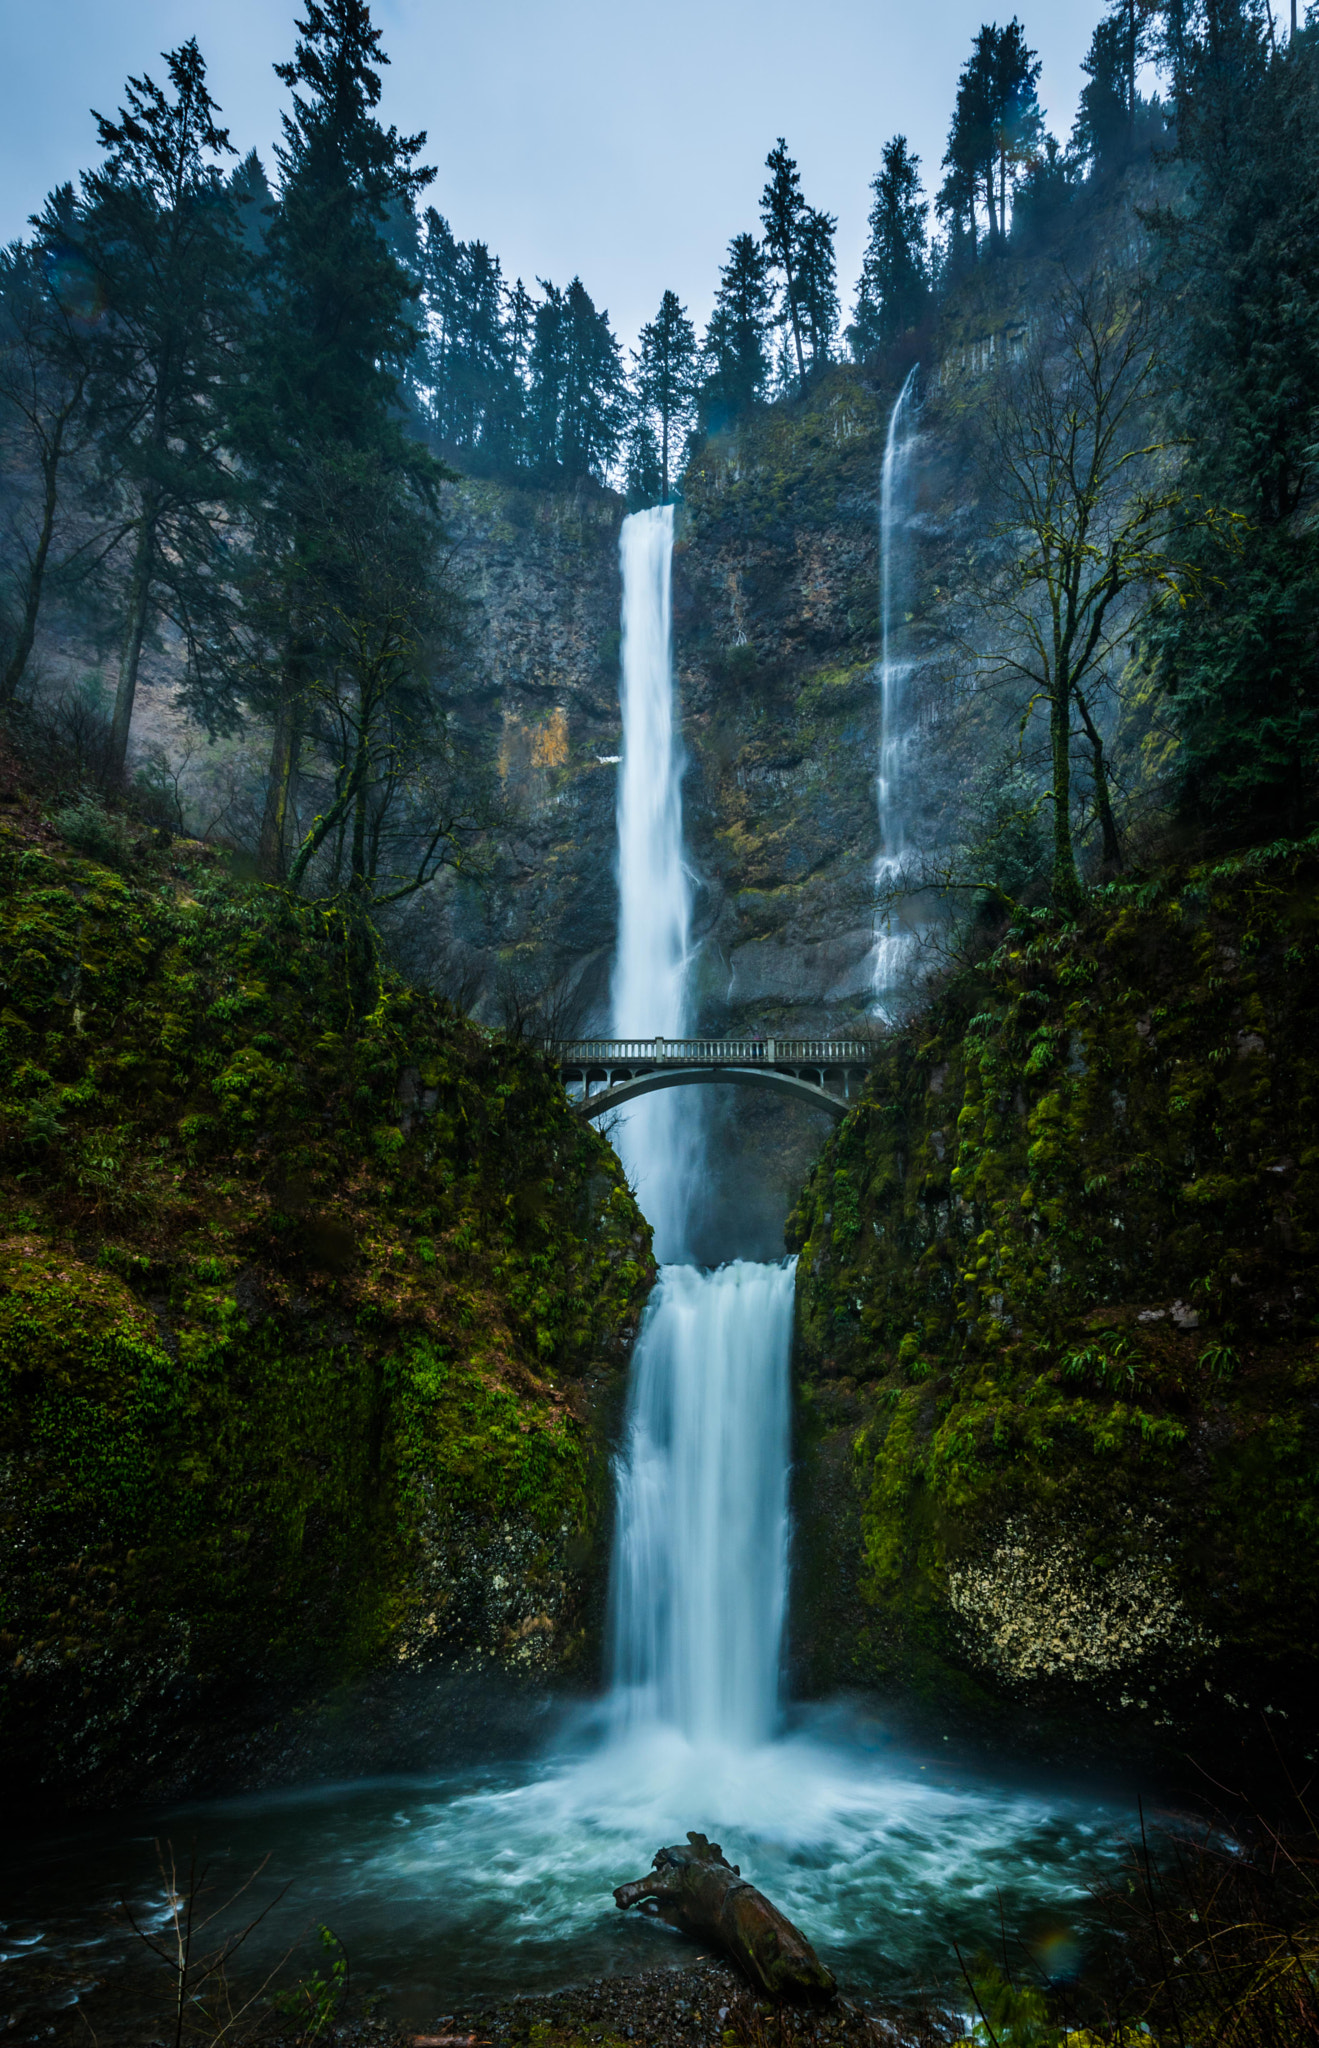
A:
{"x":775,"y":643}
{"x":775,"y":640}
{"x":1058,"y":1366}
{"x":315,"y":1299}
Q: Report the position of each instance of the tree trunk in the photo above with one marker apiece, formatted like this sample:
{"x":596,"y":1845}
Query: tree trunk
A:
{"x":695,"y":1889}
{"x":1103,"y":801}
{"x":36,"y":576}
{"x":796,"y":323}
{"x":272,"y":853}
{"x":1066,"y":882}
{"x":135,"y":630}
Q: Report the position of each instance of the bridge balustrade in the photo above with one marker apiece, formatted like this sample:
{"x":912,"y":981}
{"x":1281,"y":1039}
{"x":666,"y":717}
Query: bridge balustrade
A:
{"x":623,"y":1065}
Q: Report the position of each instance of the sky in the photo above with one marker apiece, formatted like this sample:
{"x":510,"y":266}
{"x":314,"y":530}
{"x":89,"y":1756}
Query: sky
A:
{"x":622,"y":142}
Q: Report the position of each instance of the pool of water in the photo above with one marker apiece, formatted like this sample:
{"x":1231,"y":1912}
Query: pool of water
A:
{"x":485,"y":1882}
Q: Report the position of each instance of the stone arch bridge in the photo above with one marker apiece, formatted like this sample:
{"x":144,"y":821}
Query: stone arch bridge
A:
{"x":604,"y":1073}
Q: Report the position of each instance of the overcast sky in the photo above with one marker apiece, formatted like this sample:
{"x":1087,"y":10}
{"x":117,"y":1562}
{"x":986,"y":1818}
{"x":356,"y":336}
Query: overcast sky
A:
{"x":622,"y":142}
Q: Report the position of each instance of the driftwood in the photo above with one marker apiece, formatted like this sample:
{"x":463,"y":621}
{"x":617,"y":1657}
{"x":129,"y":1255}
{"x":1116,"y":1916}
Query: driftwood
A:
{"x":697,"y":1890}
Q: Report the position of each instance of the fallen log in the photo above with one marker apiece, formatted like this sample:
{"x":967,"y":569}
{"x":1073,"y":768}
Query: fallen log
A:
{"x":697,"y":1890}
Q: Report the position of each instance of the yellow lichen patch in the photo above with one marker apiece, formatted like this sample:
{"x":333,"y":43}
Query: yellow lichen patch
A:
{"x":549,"y":745}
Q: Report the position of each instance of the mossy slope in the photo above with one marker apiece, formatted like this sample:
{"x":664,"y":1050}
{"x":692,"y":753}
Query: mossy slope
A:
{"x":1057,"y":1300}
{"x":309,"y":1310}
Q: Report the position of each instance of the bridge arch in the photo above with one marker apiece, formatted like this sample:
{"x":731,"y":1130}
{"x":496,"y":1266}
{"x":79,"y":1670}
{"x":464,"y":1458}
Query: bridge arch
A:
{"x":826,"y":1072}
{"x":614,"y":1095}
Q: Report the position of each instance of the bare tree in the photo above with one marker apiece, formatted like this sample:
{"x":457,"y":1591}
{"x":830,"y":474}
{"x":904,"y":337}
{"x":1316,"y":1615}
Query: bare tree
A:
{"x":1083,"y":492}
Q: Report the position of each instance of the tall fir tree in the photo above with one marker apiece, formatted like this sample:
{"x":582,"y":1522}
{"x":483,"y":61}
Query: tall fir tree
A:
{"x":576,"y":402}
{"x":665,"y":383}
{"x":735,"y":352}
{"x":160,"y":229}
{"x":894,"y":286}
{"x":784,"y":214}
{"x":995,"y":131}
{"x":819,"y":285}
{"x":338,"y":325}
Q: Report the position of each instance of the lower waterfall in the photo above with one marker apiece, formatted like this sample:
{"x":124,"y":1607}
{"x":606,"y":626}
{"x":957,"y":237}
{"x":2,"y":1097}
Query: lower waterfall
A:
{"x":701,"y":1542}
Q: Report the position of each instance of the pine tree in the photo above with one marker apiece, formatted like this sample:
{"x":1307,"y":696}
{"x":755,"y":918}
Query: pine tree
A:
{"x":784,"y":214}
{"x":1239,"y":655}
{"x":1103,"y":118}
{"x":893,"y":290}
{"x":665,"y":382}
{"x":577,"y":399}
{"x":819,"y":285}
{"x":735,"y":351}
{"x":337,"y":329}
{"x":160,"y":229}
{"x":996,"y":128}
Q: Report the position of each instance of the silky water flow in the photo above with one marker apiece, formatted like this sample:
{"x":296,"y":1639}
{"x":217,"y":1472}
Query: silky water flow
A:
{"x":892,"y":783}
{"x":498,"y":1879}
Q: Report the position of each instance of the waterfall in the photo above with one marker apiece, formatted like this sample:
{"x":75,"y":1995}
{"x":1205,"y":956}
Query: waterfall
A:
{"x":895,"y":734}
{"x":700,"y":1561}
{"x":700,"y":1564}
{"x":655,"y":1138}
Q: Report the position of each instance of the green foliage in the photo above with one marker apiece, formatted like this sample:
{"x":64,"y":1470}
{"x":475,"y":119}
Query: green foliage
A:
{"x":894,"y":286}
{"x":1238,"y":653}
{"x":1087,"y":1194}
{"x":315,"y":2002}
{"x":295,"y":1296}
{"x":1011,"y":2015}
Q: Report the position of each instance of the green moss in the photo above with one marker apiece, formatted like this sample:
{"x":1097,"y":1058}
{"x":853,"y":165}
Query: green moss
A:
{"x":1087,"y":1211}
{"x":294,"y":1299}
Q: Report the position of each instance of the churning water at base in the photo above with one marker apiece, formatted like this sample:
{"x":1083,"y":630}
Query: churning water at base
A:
{"x":495,"y":1881}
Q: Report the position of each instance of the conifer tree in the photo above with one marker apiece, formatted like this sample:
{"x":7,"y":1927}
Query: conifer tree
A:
{"x":1239,"y":655}
{"x":996,"y":127}
{"x":784,"y":214}
{"x":337,"y":328}
{"x":893,"y":289}
{"x":735,"y":351}
{"x":577,"y":398}
{"x":665,"y":382}
{"x":819,"y":285}
{"x":160,"y":230}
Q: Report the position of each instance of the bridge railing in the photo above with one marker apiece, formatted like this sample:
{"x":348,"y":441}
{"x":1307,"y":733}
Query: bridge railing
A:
{"x":713,"y":1052}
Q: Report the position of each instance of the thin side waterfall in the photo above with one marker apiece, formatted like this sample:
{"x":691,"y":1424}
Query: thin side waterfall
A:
{"x":895,"y":731}
{"x":655,"y":1139}
{"x":700,"y":1563}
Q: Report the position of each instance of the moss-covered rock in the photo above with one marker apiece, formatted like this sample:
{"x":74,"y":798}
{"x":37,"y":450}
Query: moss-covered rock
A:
{"x":1059,"y":1353}
{"x":311,"y":1313}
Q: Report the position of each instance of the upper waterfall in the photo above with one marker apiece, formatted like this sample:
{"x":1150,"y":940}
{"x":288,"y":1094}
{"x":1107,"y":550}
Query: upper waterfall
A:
{"x":656,"y":1138}
{"x":891,"y":790}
